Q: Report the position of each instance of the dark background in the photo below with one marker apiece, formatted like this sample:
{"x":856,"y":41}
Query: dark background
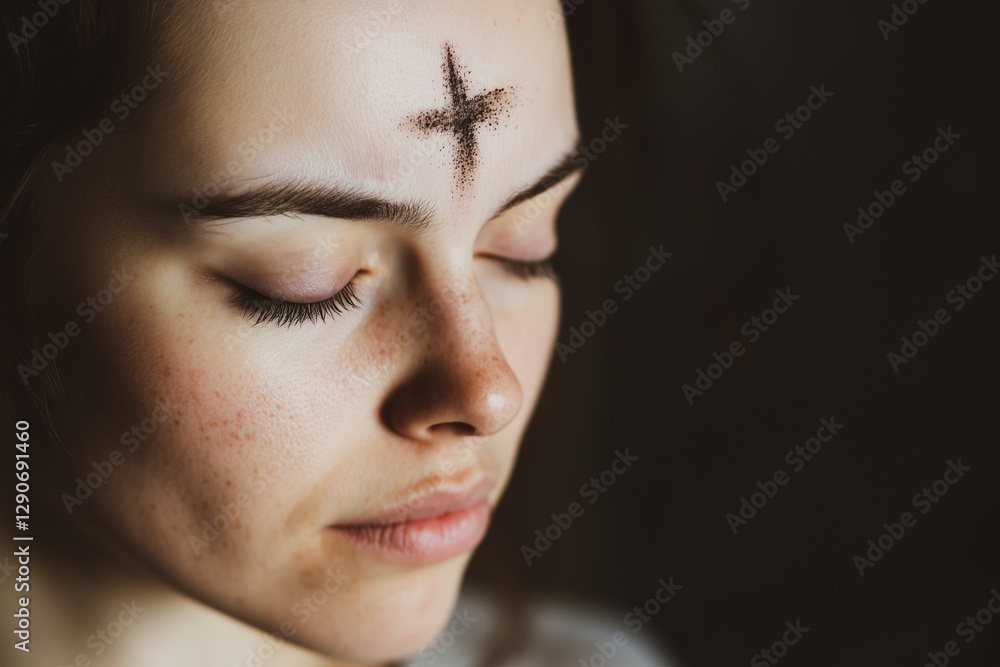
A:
{"x":656,"y":184}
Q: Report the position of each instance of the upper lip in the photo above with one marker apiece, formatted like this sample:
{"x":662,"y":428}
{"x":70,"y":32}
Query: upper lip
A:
{"x":419,"y":503}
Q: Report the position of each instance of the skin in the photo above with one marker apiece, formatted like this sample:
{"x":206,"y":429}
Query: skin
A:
{"x":321,"y":423}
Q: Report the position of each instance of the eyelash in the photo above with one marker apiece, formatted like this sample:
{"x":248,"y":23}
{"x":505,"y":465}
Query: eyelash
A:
{"x":267,"y":310}
{"x":529,"y":270}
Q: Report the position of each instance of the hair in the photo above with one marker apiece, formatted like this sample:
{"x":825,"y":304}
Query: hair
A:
{"x":62,"y":64}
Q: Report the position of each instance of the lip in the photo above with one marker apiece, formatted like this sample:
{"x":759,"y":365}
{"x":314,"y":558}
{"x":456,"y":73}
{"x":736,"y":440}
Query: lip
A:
{"x":428,"y":527}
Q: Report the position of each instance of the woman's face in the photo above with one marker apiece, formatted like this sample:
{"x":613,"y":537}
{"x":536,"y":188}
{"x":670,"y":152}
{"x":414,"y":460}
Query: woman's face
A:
{"x":355,"y":156}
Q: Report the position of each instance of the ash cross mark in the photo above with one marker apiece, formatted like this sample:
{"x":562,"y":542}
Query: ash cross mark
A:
{"x":463,"y":116}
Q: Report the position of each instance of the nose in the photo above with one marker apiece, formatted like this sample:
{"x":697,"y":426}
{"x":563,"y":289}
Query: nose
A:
{"x":456,"y":379}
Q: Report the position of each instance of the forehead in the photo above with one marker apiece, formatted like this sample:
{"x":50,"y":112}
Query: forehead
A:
{"x":341,"y":91}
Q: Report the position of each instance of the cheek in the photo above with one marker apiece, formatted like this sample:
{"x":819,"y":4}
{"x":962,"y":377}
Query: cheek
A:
{"x":527,"y":334}
{"x":208,"y":430}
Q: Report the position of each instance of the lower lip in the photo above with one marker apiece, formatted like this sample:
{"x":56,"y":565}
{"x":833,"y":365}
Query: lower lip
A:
{"x":424,"y":540}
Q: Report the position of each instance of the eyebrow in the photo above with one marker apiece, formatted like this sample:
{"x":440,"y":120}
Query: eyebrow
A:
{"x":334,"y":202}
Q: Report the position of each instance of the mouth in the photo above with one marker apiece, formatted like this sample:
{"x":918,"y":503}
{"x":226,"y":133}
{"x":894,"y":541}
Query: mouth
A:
{"x":426,"y":526}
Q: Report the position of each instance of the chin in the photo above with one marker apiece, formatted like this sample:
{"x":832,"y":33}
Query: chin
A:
{"x":385,"y":619}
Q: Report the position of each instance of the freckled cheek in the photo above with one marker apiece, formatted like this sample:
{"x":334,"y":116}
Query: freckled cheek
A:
{"x":230,"y":428}
{"x":232,"y":435}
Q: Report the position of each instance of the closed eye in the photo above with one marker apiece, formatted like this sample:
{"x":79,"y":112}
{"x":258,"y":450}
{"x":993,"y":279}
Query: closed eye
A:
{"x":528,"y":270}
{"x":268,"y":310}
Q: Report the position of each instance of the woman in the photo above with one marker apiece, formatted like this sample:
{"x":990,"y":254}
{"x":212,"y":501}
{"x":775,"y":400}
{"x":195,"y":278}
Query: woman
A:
{"x":277,"y":309}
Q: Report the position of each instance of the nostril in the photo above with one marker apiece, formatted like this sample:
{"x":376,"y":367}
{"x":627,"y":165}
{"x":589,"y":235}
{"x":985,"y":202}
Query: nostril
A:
{"x":458,"y":428}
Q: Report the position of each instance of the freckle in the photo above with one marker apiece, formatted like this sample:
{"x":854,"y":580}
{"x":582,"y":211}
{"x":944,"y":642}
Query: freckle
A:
{"x":190,"y":341}
{"x":218,"y":395}
{"x":229,"y":482}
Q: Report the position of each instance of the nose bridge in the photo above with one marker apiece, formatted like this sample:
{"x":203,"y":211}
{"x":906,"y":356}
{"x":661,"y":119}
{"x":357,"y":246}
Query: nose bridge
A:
{"x":463,"y":339}
{"x":459,"y":376}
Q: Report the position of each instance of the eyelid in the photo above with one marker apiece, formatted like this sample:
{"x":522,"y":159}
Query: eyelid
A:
{"x":520,"y":236}
{"x":269,"y":310}
{"x":298,"y":267}
{"x":527,"y":270}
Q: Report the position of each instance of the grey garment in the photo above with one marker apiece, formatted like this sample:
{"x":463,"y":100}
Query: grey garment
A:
{"x":558,"y":634}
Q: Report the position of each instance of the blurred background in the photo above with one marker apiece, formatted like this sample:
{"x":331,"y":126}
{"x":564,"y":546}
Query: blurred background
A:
{"x":693,"y":110}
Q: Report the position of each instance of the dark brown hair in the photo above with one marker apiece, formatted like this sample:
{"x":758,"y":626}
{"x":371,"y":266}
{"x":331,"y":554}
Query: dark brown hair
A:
{"x":62,"y":61}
